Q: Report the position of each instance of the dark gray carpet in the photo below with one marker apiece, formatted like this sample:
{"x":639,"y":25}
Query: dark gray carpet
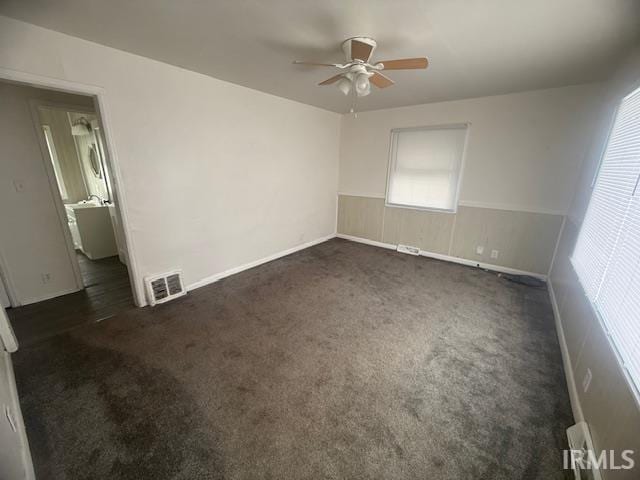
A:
{"x":341,"y":361}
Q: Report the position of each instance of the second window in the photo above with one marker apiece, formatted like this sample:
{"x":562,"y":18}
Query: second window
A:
{"x":425,"y":167}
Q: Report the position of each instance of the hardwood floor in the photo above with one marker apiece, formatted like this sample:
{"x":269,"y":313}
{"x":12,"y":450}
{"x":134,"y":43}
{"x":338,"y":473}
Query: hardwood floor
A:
{"x":107,"y":292}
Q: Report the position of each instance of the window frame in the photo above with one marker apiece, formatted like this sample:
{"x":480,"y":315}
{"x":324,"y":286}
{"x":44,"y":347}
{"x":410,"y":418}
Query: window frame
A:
{"x":392,"y":156}
{"x":633,"y":384}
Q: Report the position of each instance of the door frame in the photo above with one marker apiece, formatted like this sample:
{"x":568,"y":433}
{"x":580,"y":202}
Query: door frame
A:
{"x":7,"y":283}
{"x":8,"y":345}
{"x":111,"y":160}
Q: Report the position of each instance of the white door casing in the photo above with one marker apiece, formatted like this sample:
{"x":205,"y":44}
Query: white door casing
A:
{"x":15,"y":457}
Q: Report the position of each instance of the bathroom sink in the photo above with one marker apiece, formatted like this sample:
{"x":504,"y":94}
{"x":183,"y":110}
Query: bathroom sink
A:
{"x":82,"y":205}
{"x":91,"y":229}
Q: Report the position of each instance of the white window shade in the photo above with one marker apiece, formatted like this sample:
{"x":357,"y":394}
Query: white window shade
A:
{"x":425,"y":165}
{"x":607,"y":252}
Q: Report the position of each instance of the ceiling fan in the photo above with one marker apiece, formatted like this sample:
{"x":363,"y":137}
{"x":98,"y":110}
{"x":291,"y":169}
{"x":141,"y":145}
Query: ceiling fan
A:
{"x":358,"y":74}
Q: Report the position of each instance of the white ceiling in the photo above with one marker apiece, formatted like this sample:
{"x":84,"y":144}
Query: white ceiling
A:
{"x":475,"y":47}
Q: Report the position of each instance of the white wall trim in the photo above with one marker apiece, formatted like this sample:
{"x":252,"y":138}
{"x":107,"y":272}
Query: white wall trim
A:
{"x":255,"y":263}
{"x":8,"y":345}
{"x":335,"y":220}
{"x":27,"y":461}
{"x":99,"y":95}
{"x":485,"y":266}
{"x":448,"y":258}
{"x":8,"y":339}
{"x":9,"y":287}
{"x":363,"y":195}
{"x":578,"y":416}
{"x":470,"y":203}
{"x":509,"y":206}
{"x":366,"y":241}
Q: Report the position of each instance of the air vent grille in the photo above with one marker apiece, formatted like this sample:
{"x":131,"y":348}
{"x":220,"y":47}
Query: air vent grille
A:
{"x":408,"y":249}
{"x":174,"y":284}
{"x":579,"y":439}
{"x":165,"y":287}
{"x":159,"y":288}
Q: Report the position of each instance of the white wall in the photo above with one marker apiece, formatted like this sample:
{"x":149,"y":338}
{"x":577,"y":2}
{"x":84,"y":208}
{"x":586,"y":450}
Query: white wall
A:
{"x":215,"y":175}
{"x":522,"y":153}
{"x":32,"y":238}
{"x":609,"y":405}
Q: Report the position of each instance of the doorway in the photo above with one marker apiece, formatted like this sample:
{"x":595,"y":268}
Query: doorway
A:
{"x":64,"y":256}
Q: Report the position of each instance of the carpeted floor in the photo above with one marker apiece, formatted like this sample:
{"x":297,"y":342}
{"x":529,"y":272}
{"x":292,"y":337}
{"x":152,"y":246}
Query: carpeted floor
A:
{"x":341,"y":361}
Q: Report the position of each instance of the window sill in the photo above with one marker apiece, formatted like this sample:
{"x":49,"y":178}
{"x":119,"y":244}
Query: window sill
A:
{"x":424,"y":209}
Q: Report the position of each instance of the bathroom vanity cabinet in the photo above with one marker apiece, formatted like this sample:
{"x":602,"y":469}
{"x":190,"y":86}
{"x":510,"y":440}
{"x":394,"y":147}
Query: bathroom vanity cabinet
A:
{"x":92,"y":230}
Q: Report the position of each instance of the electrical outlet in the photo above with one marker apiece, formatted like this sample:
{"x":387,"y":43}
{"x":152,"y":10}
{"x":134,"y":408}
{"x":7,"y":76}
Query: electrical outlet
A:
{"x":479,"y":250}
{"x":494,"y":253}
{"x":586,"y":381}
{"x":46,"y":277}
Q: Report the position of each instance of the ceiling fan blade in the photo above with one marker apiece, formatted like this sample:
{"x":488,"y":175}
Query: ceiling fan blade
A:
{"x":380,"y":80}
{"x":405,"y":63}
{"x":331,"y":80}
{"x":337,"y":65}
{"x":360,"y":50}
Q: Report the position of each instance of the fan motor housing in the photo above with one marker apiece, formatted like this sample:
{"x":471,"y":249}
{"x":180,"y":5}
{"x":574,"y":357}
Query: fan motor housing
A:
{"x":346,"y":46}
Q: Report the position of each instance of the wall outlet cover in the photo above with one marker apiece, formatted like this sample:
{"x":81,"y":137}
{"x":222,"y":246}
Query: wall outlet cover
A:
{"x":479,"y":250}
{"x":494,"y":253}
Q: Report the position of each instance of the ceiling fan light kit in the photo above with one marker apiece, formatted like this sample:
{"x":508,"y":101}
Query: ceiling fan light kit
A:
{"x":358,"y":73}
{"x":344,"y":85}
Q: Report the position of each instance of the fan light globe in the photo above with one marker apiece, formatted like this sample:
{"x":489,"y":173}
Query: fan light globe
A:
{"x":363,"y":87}
{"x":344,"y":85}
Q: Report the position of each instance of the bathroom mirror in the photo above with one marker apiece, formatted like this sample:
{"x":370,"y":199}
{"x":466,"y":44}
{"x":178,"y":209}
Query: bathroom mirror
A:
{"x":94,"y":160}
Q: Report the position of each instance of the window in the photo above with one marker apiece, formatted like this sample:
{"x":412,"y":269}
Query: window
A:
{"x":56,"y":163}
{"x":425,"y":165}
{"x":607,"y":253}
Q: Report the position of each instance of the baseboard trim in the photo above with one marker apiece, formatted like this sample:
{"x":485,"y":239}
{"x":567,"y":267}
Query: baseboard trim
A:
{"x":366,"y":241}
{"x":49,"y":296}
{"x":232,"y":271}
{"x":447,"y":258}
{"x":511,"y":207}
{"x":566,"y":361}
{"x":361,"y":195}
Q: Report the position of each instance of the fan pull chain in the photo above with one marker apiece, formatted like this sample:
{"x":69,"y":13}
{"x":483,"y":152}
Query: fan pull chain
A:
{"x":353,"y":104}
